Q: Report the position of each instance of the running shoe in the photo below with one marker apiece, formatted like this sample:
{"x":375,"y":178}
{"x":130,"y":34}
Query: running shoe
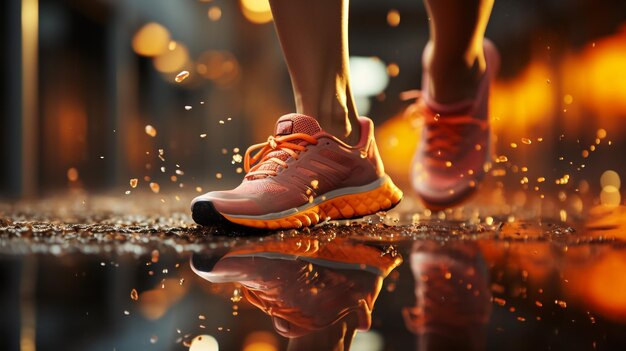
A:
{"x":300,"y":176}
{"x":303,"y":284}
{"x":454,"y":150}
{"x":453,"y":299}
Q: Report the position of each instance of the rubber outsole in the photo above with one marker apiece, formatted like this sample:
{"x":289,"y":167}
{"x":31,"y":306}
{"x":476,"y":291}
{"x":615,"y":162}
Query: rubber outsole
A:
{"x":349,"y":206}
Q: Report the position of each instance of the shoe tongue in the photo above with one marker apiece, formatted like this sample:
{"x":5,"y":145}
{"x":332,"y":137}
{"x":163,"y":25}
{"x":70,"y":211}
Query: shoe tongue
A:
{"x":296,"y":123}
{"x":290,"y":124}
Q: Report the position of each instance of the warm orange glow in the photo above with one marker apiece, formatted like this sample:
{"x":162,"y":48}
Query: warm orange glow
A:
{"x":151,"y":40}
{"x":525,"y":101}
{"x":397,"y":140}
{"x":154,"y":303}
{"x":605,"y":285}
{"x":260,"y":341}
{"x":172,"y":60}
{"x":256,"y":11}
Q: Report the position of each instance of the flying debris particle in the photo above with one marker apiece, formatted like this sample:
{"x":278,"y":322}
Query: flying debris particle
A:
{"x":236,"y":295}
{"x":541,"y":179}
{"x":154,"y":256}
{"x":203,"y":135}
{"x":180,"y":172}
{"x":601,"y":133}
{"x":154,"y":339}
{"x":181,"y":281}
{"x":221,"y":121}
{"x":239,"y":170}
{"x":127,"y":192}
{"x":315,"y":183}
{"x":134,"y":295}
{"x":187,"y":107}
{"x":237,"y":158}
{"x":151,"y":131}
{"x":155,"y":187}
{"x":218,"y":175}
{"x":563,"y":215}
{"x":162,"y":169}
{"x":201,"y":317}
{"x":181,"y":76}
{"x":527,"y":141}
{"x":502,"y":159}
{"x":513,"y":145}
{"x":198,"y":189}
{"x":133,"y":182}
{"x":561,"y":303}
{"x":126,"y":313}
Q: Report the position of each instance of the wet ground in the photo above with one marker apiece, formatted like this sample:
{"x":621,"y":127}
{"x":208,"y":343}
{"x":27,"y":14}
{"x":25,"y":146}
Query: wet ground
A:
{"x":98,"y":273}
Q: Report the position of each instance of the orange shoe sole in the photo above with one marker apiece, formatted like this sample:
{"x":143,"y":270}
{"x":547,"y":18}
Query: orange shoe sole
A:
{"x":348,"y":206}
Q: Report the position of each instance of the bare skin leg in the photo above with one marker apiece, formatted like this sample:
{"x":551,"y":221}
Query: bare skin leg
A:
{"x":314,"y":39}
{"x":454,"y":55}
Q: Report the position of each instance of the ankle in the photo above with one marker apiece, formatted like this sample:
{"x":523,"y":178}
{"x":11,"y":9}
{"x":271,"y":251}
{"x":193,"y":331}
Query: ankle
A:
{"x":337,"y":116}
{"x":453,"y":78}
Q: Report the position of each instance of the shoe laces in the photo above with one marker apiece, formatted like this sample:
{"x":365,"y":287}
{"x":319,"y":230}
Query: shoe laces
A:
{"x":269,"y":153}
{"x":443,"y":135}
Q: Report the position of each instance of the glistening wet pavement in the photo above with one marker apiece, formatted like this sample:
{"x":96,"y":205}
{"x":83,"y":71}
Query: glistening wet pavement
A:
{"x":104,"y":275}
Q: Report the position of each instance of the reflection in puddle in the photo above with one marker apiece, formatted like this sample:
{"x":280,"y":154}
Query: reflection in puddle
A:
{"x":432,"y":285}
{"x":317,"y":293}
{"x":453,"y":297}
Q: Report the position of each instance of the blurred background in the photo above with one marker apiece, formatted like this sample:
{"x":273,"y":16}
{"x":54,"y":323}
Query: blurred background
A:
{"x":90,"y":96}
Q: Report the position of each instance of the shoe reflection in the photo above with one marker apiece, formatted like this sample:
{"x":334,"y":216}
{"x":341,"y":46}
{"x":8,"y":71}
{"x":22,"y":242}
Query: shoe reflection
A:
{"x":318,"y":293}
{"x":453,"y":300}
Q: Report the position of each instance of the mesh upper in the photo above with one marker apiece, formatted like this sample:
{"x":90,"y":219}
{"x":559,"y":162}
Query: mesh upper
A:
{"x":301,"y":124}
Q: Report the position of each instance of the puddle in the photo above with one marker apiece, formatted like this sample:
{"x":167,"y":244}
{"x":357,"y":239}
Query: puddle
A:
{"x":131,"y":282}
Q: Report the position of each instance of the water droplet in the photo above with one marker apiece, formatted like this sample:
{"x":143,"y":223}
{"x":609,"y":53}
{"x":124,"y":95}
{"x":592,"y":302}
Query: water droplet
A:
{"x":151,"y":131}
{"x":155,"y":187}
{"x":181,"y":76}
{"x":134,"y":295}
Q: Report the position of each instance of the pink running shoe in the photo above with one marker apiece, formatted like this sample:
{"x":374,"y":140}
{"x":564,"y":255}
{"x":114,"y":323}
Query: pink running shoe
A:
{"x":305,"y":285}
{"x":454,"y":150}
{"x":301,"y":176}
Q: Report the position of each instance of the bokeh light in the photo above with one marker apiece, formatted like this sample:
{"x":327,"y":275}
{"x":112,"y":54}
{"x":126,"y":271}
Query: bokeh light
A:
{"x":256,"y":11}
{"x":369,"y":75}
{"x":260,"y":341}
{"x":204,"y":343}
{"x":393,"y":18}
{"x":219,"y":66}
{"x":172,"y":60}
{"x":151,"y":40}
